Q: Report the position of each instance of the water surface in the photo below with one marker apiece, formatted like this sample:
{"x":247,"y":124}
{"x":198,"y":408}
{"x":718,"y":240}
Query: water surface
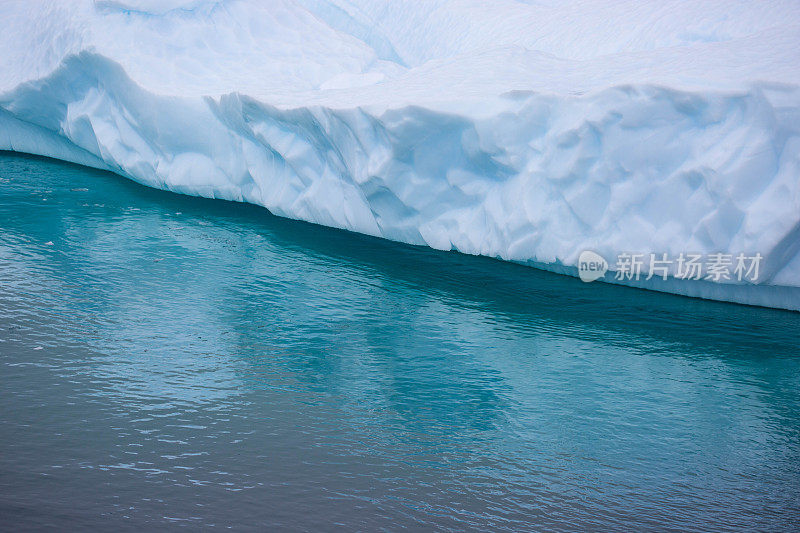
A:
{"x":172,"y":361}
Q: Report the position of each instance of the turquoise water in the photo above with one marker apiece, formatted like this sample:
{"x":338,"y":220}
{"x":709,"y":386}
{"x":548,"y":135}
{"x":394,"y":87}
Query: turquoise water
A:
{"x":173,"y":361}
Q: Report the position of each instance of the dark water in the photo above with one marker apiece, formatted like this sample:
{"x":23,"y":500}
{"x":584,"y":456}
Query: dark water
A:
{"x":172,"y":361}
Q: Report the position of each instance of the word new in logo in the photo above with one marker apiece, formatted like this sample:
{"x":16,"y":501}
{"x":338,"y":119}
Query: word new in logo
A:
{"x":591,"y":266}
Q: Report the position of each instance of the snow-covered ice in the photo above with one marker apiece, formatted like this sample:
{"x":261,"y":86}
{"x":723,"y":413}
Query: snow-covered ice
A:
{"x":524,"y":130}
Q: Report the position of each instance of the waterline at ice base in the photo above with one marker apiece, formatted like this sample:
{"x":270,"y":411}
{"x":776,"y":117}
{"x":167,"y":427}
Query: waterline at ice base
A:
{"x":661,"y":137}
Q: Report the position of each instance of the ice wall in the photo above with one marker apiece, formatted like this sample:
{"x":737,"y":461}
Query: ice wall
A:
{"x":516,"y":130}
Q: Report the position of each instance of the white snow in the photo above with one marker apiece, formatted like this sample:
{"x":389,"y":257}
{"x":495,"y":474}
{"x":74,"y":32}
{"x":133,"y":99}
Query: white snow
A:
{"x":524,"y":130}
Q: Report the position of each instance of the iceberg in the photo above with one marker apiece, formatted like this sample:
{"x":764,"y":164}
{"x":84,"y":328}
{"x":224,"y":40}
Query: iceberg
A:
{"x":529,"y":131}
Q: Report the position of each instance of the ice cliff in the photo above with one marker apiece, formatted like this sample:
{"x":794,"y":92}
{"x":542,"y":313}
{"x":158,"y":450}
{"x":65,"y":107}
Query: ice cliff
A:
{"x":524,"y":130}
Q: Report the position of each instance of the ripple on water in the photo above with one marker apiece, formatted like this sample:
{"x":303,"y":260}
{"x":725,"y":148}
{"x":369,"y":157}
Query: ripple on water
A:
{"x":173,"y":360}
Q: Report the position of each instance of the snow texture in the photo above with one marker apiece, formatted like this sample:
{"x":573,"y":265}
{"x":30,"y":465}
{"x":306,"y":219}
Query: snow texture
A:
{"x":527,"y":131}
